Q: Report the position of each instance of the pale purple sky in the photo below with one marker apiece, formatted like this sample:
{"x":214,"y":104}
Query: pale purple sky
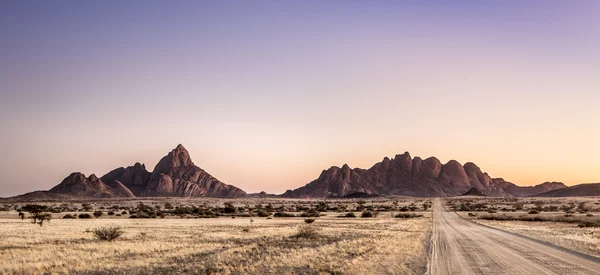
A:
{"x":267,"y":94}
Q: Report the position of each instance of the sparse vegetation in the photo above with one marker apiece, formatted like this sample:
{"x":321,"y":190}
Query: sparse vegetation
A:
{"x":85,"y":216}
{"x":307,"y":232}
{"x":108,"y":233}
{"x":407,"y":216}
{"x":198,"y":244}
{"x":38,"y":213}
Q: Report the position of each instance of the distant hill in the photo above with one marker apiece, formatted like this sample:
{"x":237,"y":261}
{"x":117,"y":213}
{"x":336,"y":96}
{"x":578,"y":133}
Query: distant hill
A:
{"x":581,"y":190}
{"x":406,"y":176}
{"x":175,"y":175}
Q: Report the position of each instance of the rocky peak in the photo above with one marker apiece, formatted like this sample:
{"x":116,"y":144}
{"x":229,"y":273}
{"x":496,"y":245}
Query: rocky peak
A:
{"x":178,"y":157}
{"x":93,"y":178}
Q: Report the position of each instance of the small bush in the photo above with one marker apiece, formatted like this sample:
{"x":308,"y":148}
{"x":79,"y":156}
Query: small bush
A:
{"x":283,"y":215}
{"x":246,"y":230}
{"x":69,"y":216}
{"x":307,"y":232}
{"x":492,"y":211}
{"x":263,"y":213}
{"x":133,"y":217}
{"x":350,"y":215}
{"x":407,"y":216}
{"x":97,"y":214}
{"x":310,"y":213}
{"x":111,"y":213}
{"x":309,"y":221}
{"x":124,"y":213}
{"x":472,"y":215}
{"x":368,"y":214}
{"x":589,"y":224}
{"x":107,"y":233}
{"x":85,"y":216}
{"x":534,"y":212}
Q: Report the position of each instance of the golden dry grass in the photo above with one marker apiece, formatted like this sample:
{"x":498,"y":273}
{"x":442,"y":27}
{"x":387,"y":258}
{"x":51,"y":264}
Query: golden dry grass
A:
{"x":568,"y":235}
{"x":584,"y":240}
{"x":382,"y":245}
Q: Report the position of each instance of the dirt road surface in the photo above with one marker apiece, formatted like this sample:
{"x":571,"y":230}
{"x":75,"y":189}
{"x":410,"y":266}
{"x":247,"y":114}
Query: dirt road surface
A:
{"x":459,"y":246}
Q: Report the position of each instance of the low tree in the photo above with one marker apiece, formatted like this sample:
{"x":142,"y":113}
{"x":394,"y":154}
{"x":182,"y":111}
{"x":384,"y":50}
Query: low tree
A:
{"x":38,"y":213}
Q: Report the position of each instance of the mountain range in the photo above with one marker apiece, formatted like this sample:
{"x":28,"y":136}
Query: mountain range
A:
{"x":407,"y":176}
{"x":176,"y":175}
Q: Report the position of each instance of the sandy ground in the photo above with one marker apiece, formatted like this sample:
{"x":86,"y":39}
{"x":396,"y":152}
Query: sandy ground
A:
{"x":382,"y":245}
{"x":463,"y":247}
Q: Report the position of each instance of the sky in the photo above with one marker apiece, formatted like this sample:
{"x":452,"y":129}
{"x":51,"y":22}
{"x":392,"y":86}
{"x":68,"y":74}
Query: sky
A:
{"x":267,"y":94}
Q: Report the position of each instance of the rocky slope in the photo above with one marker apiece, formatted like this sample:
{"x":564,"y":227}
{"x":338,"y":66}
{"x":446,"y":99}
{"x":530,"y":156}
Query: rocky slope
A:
{"x":406,"y":176}
{"x":78,"y":185}
{"x":174,"y":176}
{"x":588,"y":189}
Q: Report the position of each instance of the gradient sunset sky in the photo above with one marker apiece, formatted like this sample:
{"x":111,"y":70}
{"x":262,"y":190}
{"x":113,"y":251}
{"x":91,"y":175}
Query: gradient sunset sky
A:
{"x":267,"y":94}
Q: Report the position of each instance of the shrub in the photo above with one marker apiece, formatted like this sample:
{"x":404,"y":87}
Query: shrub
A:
{"x":472,"y":215}
{"x":534,"y":212}
{"x":589,"y":224}
{"x":407,"y":216}
{"x":263,"y":213}
{"x":69,"y":216}
{"x":107,"y":233}
{"x":246,"y":230}
{"x":307,"y":232}
{"x":85,"y":216}
{"x":310,"y":213}
{"x":97,"y":214}
{"x":124,"y":213}
{"x":492,"y":211}
{"x":368,"y":214}
{"x":309,"y":221}
{"x":350,"y":215}
{"x":133,"y":216}
{"x":283,"y":215}
{"x":111,"y":213}
{"x":518,"y":206}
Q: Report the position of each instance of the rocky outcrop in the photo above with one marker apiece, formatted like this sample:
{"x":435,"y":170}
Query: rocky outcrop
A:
{"x":133,"y":177}
{"x":175,"y":175}
{"x":406,"y":176}
{"x":78,"y":185}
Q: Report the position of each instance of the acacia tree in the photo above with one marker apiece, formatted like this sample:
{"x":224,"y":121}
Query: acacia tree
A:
{"x":38,"y":213}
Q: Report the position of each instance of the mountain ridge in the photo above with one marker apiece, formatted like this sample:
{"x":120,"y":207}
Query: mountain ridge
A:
{"x":407,"y":176}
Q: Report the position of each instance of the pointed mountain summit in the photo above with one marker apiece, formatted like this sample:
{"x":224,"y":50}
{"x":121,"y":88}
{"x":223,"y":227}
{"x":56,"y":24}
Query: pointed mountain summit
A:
{"x":175,"y":175}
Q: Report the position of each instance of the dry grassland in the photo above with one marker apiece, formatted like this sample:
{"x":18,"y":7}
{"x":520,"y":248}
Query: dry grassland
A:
{"x":224,"y":245}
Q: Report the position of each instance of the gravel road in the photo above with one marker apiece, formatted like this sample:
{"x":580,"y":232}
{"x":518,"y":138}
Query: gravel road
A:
{"x":459,"y":246}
